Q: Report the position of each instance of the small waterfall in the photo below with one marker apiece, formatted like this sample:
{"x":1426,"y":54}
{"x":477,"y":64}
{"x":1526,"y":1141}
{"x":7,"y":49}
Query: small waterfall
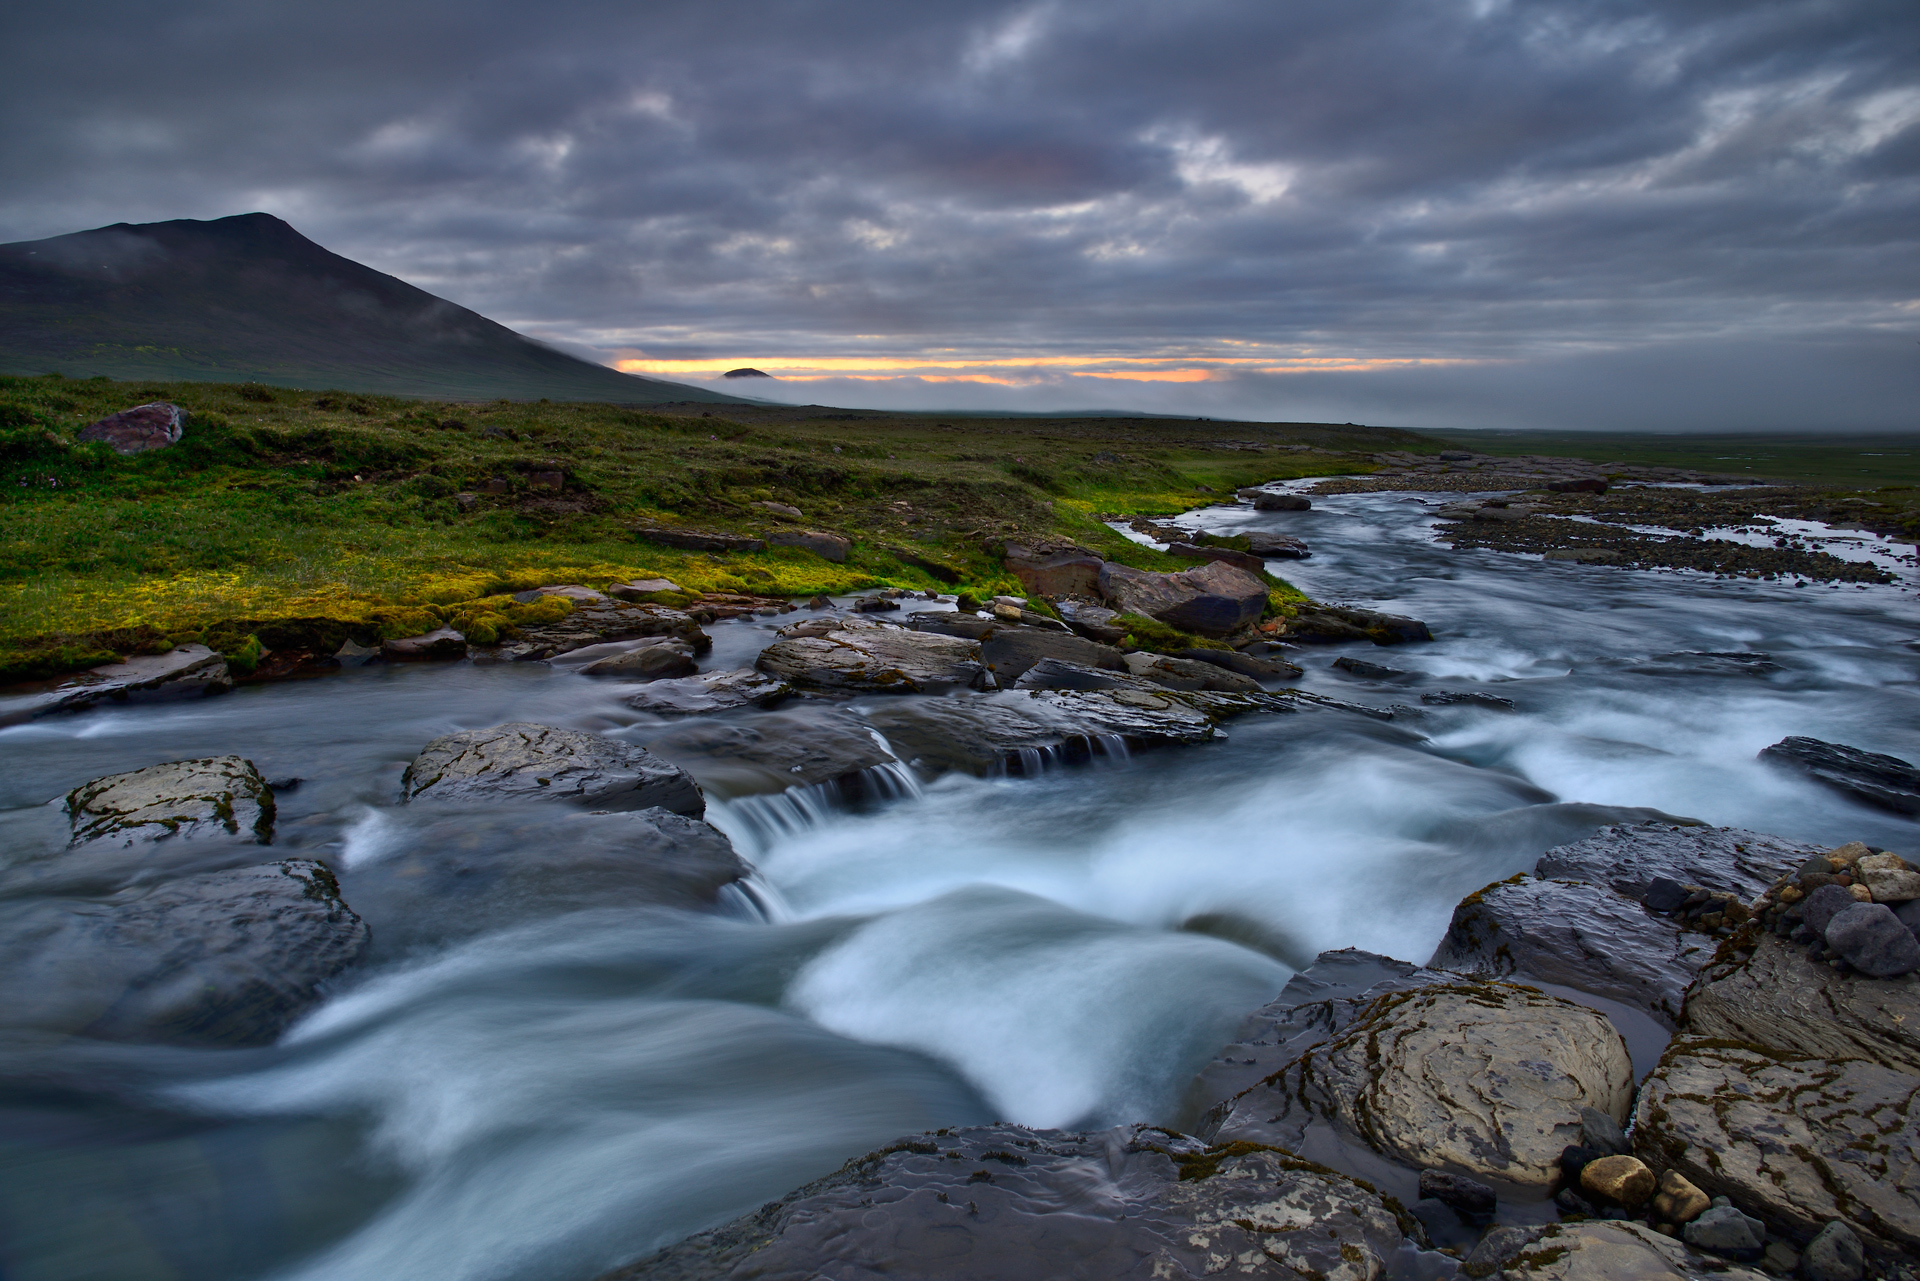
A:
{"x":759,"y":821}
{"x":1081,"y":749}
{"x":755,"y":898}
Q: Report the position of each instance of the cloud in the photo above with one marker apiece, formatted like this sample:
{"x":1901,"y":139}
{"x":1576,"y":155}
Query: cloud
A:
{"x":1554,"y":197}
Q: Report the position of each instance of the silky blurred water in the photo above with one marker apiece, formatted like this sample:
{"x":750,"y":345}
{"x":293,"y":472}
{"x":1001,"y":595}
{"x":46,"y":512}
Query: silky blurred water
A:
{"x":550,"y":1090}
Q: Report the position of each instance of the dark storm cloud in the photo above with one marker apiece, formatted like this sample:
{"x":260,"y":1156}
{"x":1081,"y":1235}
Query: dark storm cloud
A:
{"x":1613,"y":205}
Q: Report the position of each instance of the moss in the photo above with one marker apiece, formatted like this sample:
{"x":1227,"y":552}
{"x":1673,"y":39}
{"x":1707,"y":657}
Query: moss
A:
{"x":1161,"y":638}
{"x":243,"y":658}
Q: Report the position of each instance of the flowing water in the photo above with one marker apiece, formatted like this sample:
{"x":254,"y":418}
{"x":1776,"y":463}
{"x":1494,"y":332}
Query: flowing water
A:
{"x":545,"y":1086}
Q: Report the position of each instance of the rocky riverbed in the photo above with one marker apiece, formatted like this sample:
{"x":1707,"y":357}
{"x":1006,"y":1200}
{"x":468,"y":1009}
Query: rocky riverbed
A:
{"x":1564,"y":932}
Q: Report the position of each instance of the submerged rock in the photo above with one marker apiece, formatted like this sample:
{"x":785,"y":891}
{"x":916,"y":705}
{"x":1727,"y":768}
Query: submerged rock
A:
{"x":772,"y":752}
{"x":1797,"y":1141}
{"x":874,"y":659}
{"x":710,"y":692}
{"x":1338,"y":624}
{"x":219,"y":797}
{"x":1884,"y":781}
{"x":1630,"y":857}
{"x":990,"y":733}
{"x":1276,"y":546}
{"x":519,"y":761}
{"x":652,"y":659}
{"x":1212,"y":600}
{"x":1006,"y":1202}
{"x":223,"y":958}
{"x":1577,"y":935}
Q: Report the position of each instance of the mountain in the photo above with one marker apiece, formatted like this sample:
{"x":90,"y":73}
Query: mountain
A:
{"x":248,"y":298}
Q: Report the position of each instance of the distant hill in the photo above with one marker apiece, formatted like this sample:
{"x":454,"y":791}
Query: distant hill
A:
{"x":248,"y":298}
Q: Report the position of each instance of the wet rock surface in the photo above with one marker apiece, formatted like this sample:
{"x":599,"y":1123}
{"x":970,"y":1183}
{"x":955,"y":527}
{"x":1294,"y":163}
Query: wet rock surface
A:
{"x":1212,"y":600}
{"x":771,"y":752}
{"x":1577,"y":935}
{"x":519,"y":761}
{"x":1777,"y":999}
{"x":1629,"y":857}
{"x":1008,"y":652}
{"x":1884,"y":781}
{"x":1797,"y":1141}
{"x":1594,"y":1251}
{"x":1314,"y":624}
{"x":874,"y":659}
{"x":597,"y":622}
{"x":217,"y":797}
{"x":218,"y":958}
{"x":1004,"y":1201}
{"x":708,"y":692}
{"x":184,"y":672}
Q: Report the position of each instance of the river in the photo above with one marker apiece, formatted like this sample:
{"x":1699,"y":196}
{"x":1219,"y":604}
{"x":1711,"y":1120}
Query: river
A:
{"x":550,"y":1089}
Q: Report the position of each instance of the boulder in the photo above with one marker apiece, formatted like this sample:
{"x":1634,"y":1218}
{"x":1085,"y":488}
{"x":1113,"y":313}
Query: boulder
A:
{"x":1836,"y":1254}
{"x":701,"y":540}
{"x":440,"y":643}
{"x":184,"y":671}
{"x":1870,"y":938}
{"x":1486,"y":1079}
{"x":1054,"y":569}
{"x":1622,"y":1180}
{"x":1339,"y":624}
{"x":134,"y":431}
{"x":1717,"y":1113}
{"x":1003,"y":1201}
{"x":1577,"y":935}
{"x":780,"y":509}
{"x":653,"y":658}
{"x":1185,"y":673}
{"x":1212,"y":600}
{"x":1884,"y":781}
{"x":1269,"y":546}
{"x":519,"y":761}
{"x":218,"y":797}
{"x":640,"y":589}
{"x":1778,"y":1000}
{"x":1678,"y":1200}
{"x":1264,"y":501}
{"x":1724,"y":1230}
{"x":1095,"y":622}
{"x":879,"y":660}
{"x":771,"y":753}
{"x":568,"y":591}
{"x":1260,"y":669}
{"x":1225,"y":555}
{"x":825,"y":545}
{"x":1630,"y":857}
{"x":710,"y":692}
{"x":1008,"y":652}
{"x":219,"y":958}
{"x":1888,"y":877}
{"x":1596,"y":1250}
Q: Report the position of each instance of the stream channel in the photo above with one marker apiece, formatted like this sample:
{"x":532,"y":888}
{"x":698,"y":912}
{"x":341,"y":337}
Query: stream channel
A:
{"x":549,"y":1085}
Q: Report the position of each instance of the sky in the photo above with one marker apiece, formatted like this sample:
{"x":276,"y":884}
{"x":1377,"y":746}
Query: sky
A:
{"x":1561,"y":214}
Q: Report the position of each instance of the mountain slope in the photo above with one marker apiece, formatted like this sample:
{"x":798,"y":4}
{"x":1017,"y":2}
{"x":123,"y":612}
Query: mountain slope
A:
{"x":248,"y":298}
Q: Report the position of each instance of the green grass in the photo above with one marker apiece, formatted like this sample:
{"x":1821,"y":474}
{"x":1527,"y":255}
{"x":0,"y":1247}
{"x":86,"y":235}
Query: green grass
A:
{"x":288,"y":515}
{"x":1854,"y":462}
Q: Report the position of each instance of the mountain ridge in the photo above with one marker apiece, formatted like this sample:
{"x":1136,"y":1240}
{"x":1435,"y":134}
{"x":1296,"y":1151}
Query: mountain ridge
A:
{"x":248,"y":298}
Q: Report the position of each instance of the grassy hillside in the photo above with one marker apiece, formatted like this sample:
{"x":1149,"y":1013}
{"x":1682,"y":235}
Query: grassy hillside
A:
{"x":280,"y":506}
{"x":1856,"y":462}
{"x":250,"y":299}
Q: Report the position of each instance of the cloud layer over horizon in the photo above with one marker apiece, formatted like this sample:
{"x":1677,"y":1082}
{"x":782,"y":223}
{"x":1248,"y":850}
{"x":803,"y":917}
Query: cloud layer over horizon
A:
{"x":1691,"y":214}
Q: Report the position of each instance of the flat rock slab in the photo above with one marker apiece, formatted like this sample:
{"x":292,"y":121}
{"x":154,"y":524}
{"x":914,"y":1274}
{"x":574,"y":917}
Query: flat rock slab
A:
{"x":1485,"y":1079}
{"x":224,"y":958}
{"x":986,"y":734}
{"x":1883,"y":781}
{"x":1006,"y":1202}
{"x":522,"y":762}
{"x":1213,"y":600}
{"x":772,"y":752}
{"x":710,"y":692}
{"x":599,"y":622}
{"x":182,"y":672}
{"x":217,"y":797}
{"x":1596,"y":1250}
{"x":1577,"y":935}
{"x":1777,"y":999}
{"x":877,"y":660}
{"x":134,"y":431}
{"x":440,"y":644}
{"x":1797,"y":1142}
{"x":1008,"y":651}
{"x":1628,"y":857}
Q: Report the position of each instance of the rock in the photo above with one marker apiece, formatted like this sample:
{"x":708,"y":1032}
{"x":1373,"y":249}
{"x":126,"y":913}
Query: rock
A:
{"x":1724,"y":1230}
{"x":1016,"y":731}
{"x":1485,"y":1078}
{"x":1366,"y":671}
{"x":440,"y":643}
{"x":219,"y":958}
{"x":1002,"y":1201}
{"x":1054,"y":673}
{"x":1452,"y":698}
{"x":1629,"y":857}
{"x":1819,"y":908}
{"x":1579,"y":935}
{"x":1008,"y":652}
{"x":1337,"y":624}
{"x":1095,"y":622}
{"x":1260,"y":669}
{"x":1601,"y":1250}
{"x":1579,"y":485}
{"x":1054,"y":569}
{"x":1466,"y":1196}
{"x":710,"y":692}
{"x":1664,"y":895}
{"x":1582,"y":555}
{"x":874,"y":660}
{"x":518,"y":761}
{"x":654,"y":658}
{"x":1712,"y":1111}
{"x":569,"y":591}
{"x":1225,"y":555}
{"x":1834,"y":1254}
{"x":641,"y":589}
{"x":184,"y":671}
{"x":875,"y":605}
{"x":700,"y":540}
{"x":1623,"y":1180}
{"x":1885,"y":781}
{"x":1776,"y":999}
{"x":1212,"y":600}
{"x":1269,"y":502}
{"x":1182,"y":673}
{"x":1870,"y":938}
{"x":1276,"y":546}
{"x":1678,"y":1201}
{"x":598,"y":623}
{"x":1891,"y":884}
{"x":1603,"y":1134}
{"x":822,"y":544}
{"x":219,"y":797}
{"x":961,"y":623}
{"x":134,"y":431}
{"x":780,"y":509}
{"x":772,"y":752}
